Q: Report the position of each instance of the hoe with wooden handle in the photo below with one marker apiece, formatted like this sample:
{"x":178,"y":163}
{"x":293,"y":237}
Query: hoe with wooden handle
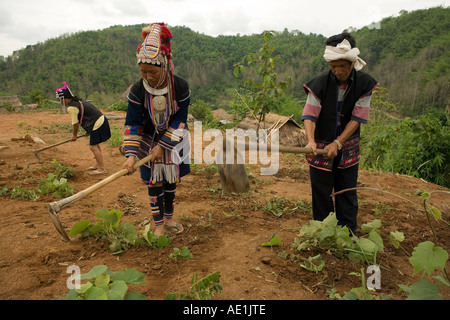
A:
{"x":53,"y":145}
{"x":56,"y":206}
{"x":233,"y":178}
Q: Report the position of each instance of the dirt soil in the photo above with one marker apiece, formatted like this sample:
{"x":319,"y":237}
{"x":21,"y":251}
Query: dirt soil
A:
{"x":223,"y":232}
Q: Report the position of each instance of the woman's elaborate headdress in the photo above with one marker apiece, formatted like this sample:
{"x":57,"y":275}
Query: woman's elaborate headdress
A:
{"x":156,"y":47}
{"x":156,"y":50}
{"x":64,"y":92}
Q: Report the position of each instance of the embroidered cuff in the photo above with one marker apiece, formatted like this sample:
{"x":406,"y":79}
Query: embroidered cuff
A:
{"x":170,"y":138}
{"x":131,"y":147}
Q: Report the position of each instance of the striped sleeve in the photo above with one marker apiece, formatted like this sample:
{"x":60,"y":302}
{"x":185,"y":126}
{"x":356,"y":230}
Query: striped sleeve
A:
{"x":312,"y":108}
{"x":361,"y":110}
{"x":133,"y":128}
{"x":172,"y":136}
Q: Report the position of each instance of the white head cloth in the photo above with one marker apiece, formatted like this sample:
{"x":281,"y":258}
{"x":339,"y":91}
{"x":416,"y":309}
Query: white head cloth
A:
{"x":344,"y":51}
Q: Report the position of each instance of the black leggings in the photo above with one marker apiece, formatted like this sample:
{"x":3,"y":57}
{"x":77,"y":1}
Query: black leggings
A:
{"x":161,"y":201}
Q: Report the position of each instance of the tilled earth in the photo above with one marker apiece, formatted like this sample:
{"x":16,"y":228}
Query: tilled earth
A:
{"x":223,"y":232}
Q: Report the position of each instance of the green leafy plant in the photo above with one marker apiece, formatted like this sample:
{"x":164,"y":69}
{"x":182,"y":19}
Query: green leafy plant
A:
{"x":104,"y":284}
{"x":421,"y":148}
{"x":427,"y":258}
{"x":396,"y":237}
{"x":119,"y":235}
{"x":4,"y":191}
{"x":201,"y":111}
{"x":118,"y":106}
{"x":203,"y":289}
{"x":314,"y":264}
{"x":273,"y":241}
{"x":24,"y":194}
{"x":431,"y":210}
{"x":62,"y":170}
{"x":154,"y":241}
{"x":328,"y":235}
{"x":116,"y":139}
{"x":277,"y":206}
{"x":183,"y":254}
{"x":267,"y":88}
{"x":55,"y":186}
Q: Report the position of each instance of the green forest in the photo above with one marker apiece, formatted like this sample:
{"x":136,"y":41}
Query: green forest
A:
{"x":408,"y":54}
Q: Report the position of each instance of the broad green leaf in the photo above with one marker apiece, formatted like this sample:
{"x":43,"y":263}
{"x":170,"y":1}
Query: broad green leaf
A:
{"x":135,"y":296}
{"x":85,"y":287}
{"x":186,"y":254}
{"x":79,"y":227}
{"x":327,"y":232}
{"x":102,"y":213}
{"x":375,"y":237}
{"x":171,"y":296}
{"x":375,"y":224}
{"x":425,"y":195}
{"x":95,"y":293}
{"x":118,"y":290}
{"x":356,"y":257}
{"x":436,"y":213}
{"x":274,"y":241}
{"x":127,"y":227}
{"x":396,"y":238}
{"x":95,"y":272}
{"x":129,"y":276}
{"x":424,"y":290}
{"x":428,"y":257}
{"x":343,"y":238}
{"x":102,"y":280}
{"x":314,"y":264}
{"x":442,"y":279}
{"x":113,"y":218}
{"x":368,"y":246}
{"x":163,"y":241}
{"x":331,"y":220}
{"x":71,"y":295}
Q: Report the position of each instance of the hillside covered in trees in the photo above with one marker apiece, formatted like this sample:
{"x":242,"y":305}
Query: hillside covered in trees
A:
{"x":408,"y":55}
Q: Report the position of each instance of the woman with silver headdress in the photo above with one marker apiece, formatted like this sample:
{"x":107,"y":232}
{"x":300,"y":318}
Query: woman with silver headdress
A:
{"x":156,"y":123}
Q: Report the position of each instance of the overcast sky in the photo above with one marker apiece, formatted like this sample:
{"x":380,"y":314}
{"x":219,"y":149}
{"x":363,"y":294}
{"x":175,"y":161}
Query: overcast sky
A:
{"x":27,"y":22}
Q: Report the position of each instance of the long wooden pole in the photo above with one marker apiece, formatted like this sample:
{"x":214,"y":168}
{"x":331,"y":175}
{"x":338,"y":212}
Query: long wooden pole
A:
{"x":53,"y":145}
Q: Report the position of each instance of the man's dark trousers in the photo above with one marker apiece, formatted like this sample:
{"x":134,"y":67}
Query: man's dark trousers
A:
{"x":324,"y":182}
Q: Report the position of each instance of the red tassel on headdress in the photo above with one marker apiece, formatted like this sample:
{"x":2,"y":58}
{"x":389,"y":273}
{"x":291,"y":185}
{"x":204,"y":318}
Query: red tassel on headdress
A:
{"x":165,"y":37}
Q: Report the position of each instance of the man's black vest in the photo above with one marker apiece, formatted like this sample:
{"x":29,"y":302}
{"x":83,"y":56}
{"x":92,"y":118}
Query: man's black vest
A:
{"x":324,"y":87}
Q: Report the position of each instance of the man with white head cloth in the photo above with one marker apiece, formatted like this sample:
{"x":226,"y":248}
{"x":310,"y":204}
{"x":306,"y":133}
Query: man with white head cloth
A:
{"x":338,"y":103}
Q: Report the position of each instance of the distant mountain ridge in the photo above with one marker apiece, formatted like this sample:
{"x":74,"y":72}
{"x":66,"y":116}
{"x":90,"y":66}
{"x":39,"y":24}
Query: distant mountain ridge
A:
{"x":408,"y":54}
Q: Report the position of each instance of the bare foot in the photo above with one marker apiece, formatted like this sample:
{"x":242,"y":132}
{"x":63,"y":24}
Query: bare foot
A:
{"x":159,"y":230}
